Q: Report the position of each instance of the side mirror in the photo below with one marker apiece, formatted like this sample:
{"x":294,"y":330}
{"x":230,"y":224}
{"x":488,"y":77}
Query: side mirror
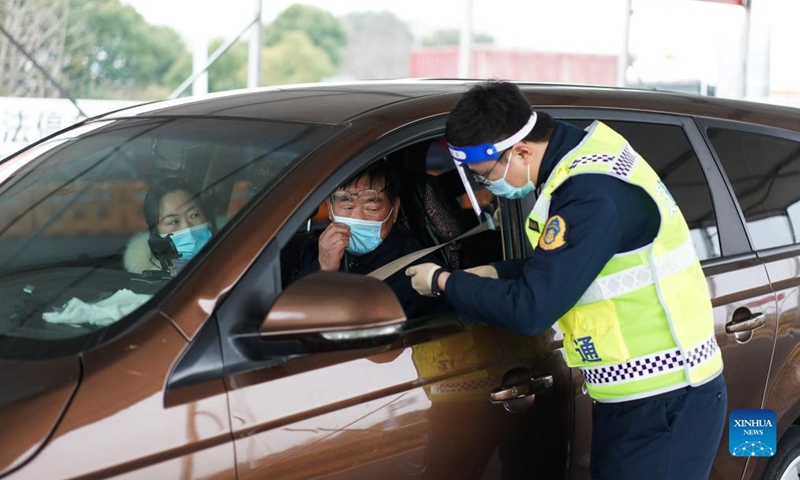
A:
{"x":334,"y":310}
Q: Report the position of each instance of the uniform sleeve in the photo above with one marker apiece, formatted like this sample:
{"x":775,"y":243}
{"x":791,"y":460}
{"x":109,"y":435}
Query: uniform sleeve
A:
{"x":510,"y":268}
{"x":551,"y":281}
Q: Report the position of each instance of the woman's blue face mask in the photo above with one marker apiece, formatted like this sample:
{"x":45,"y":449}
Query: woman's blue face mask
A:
{"x":190,"y":240}
{"x":365,"y":235}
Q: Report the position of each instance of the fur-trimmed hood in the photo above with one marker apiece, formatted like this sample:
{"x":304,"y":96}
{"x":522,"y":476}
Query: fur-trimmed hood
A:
{"x":138,"y":257}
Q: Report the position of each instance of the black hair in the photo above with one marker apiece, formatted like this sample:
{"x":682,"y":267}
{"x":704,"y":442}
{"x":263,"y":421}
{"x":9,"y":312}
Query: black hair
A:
{"x":152,"y":201}
{"x":376,"y":173}
{"x":491,"y":112}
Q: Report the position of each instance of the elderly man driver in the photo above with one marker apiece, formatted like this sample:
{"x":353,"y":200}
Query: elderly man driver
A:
{"x":363,"y":236}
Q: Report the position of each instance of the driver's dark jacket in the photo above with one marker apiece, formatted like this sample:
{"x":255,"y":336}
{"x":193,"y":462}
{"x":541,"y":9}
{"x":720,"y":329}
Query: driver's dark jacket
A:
{"x":394,"y":246}
{"x":604,"y":216}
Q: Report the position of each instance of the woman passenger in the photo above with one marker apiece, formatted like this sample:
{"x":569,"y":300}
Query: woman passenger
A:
{"x":173,"y":210}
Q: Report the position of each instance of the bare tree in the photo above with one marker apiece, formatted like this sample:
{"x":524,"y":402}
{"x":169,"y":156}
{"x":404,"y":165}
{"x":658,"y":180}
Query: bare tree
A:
{"x":41,"y":28}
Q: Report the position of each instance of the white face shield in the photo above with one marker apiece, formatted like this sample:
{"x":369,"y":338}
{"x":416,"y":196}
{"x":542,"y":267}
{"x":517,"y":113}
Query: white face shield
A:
{"x":463,"y":156}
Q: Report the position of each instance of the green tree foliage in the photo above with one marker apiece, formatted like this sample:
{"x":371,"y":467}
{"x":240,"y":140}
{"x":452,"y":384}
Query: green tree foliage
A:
{"x":230,"y":70}
{"x":324,"y":30}
{"x":295,"y":59}
{"x":117,"y":54}
{"x":452,"y":36}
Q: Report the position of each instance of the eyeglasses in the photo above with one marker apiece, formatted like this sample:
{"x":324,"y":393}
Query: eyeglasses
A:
{"x":483,"y":180}
{"x":345,"y":199}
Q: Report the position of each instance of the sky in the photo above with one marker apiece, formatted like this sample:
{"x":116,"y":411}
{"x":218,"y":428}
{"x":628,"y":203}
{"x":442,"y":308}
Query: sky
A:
{"x":670,"y":37}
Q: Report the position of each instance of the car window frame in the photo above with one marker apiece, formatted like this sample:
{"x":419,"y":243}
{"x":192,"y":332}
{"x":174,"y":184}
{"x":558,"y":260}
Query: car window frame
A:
{"x":251,"y":298}
{"x":733,"y":238}
{"x":704,"y":123}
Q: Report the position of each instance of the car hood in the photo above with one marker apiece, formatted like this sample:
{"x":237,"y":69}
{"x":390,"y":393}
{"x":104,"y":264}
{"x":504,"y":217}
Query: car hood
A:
{"x":33,"y":398}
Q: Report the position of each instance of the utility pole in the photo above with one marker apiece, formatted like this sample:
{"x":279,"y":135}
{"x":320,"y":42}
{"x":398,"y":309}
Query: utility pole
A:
{"x":199,"y":72}
{"x":624,"y":57}
{"x":200,"y":63}
{"x":465,"y":43}
{"x":254,"y":56}
{"x":745,"y":50}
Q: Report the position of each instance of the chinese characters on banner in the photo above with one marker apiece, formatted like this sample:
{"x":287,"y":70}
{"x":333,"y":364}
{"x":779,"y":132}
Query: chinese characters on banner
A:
{"x":25,"y":120}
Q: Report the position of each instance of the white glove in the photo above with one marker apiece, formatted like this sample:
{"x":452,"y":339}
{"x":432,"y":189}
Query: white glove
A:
{"x":485,"y":271}
{"x":422,"y":277}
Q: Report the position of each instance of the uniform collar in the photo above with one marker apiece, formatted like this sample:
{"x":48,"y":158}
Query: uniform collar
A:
{"x":564,"y":138}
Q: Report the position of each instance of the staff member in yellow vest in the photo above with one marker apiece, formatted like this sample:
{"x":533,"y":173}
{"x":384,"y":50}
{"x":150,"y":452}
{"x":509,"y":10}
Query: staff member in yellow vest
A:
{"x":613,"y":264}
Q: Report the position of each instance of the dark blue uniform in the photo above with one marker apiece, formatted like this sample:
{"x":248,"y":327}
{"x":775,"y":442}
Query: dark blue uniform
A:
{"x":604,"y":216}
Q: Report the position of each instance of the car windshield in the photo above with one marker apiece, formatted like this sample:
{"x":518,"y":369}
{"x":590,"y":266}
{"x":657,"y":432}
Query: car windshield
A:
{"x":80,"y":250}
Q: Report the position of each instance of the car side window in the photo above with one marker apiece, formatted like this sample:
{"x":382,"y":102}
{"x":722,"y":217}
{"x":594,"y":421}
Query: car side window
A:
{"x":99,"y":219}
{"x":431,"y":212}
{"x":763,"y":171}
{"x":667,"y":149}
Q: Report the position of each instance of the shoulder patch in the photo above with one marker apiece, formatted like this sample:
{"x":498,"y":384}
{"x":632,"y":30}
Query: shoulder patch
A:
{"x":555,"y":234}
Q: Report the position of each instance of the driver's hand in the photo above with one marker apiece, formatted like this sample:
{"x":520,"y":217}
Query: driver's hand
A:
{"x":332,"y":243}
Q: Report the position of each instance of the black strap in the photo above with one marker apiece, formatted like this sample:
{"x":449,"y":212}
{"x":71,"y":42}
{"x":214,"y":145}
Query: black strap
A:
{"x":435,"y":281}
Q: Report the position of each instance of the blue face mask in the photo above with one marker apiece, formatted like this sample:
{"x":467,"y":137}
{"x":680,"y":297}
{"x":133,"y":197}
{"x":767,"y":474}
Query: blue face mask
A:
{"x":190,"y":240}
{"x":365,"y":235}
{"x":502,"y":188}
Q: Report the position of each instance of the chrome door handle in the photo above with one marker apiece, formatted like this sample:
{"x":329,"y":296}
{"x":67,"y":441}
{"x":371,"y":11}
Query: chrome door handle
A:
{"x":752,"y":322}
{"x":532,"y":387}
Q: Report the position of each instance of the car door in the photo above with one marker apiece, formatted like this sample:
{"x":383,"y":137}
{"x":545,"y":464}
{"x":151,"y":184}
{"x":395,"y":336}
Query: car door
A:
{"x":413,"y":406}
{"x":737,"y":279}
{"x":762,"y":165}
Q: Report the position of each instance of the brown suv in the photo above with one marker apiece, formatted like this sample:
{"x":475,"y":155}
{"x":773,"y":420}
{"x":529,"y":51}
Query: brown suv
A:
{"x":230,"y":369}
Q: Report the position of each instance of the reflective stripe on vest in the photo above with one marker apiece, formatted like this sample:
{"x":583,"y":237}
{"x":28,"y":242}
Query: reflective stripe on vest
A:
{"x":632,"y":279}
{"x":645,"y":324}
{"x":651,"y":365}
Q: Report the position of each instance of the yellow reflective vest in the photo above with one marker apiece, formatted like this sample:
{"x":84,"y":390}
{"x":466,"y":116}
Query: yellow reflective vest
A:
{"x":645,"y":324}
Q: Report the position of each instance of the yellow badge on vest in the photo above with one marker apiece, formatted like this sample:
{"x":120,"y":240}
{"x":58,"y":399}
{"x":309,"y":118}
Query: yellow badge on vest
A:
{"x":555,"y":234}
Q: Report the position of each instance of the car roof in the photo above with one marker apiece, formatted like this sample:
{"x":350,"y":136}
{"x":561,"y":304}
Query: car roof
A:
{"x":333,"y":103}
{"x":339,"y":103}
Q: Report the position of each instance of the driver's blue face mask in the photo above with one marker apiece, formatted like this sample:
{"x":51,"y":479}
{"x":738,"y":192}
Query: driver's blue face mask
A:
{"x":502,"y":188}
{"x":190,"y":240}
{"x":365,"y":235}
